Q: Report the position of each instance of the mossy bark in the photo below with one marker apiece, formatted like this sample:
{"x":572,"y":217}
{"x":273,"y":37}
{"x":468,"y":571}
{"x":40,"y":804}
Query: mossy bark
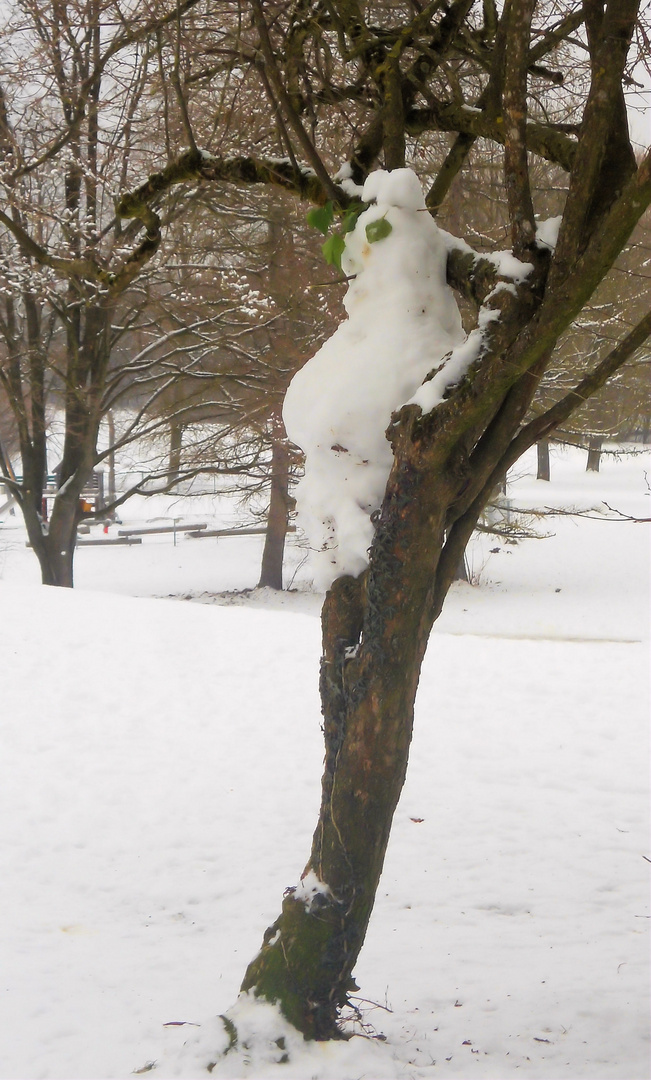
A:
{"x":375,"y":631}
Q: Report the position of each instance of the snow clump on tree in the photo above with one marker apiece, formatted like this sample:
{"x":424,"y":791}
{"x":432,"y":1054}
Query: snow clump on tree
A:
{"x":402,"y":322}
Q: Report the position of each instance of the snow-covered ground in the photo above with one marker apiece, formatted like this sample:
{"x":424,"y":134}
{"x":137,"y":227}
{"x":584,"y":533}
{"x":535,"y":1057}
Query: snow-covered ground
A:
{"x":160,"y":783}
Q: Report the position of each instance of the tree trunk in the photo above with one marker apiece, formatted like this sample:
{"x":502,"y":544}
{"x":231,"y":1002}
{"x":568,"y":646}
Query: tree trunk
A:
{"x":54,"y":542}
{"x":55,"y":549}
{"x":461,"y":572}
{"x":111,"y":458}
{"x":271,"y":574}
{"x":542,"y":448}
{"x":56,"y":562}
{"x":176,"y":442}
{"x":375,"y":631}
{"x":594,"y":453}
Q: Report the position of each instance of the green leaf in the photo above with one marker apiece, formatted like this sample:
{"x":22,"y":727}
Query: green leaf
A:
{"x":349,"y":220}
{"x":321,"y":217}
{"x":378,"y":229}
{"x":333,"y":250}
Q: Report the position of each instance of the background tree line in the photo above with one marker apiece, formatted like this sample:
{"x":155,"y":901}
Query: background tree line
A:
{"x":96,"y":322}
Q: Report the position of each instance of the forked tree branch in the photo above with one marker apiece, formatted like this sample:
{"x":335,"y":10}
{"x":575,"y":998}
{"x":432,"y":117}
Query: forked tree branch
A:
{"x":461,"y":530}
{"x":597,"y":137}
{"x":542,"y":426}
{"x":291,"y":115}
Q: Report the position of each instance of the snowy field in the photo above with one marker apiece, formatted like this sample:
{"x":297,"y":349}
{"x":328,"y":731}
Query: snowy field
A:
{"x":160,"y":784}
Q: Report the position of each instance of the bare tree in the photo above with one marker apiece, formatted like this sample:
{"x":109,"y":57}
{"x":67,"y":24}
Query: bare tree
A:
{"x":78,"y":114}
{"x":399,"y":80}
{"x":400,"y":77}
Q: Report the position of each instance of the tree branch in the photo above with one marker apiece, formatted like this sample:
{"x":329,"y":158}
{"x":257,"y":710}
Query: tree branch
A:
{"x":194,"y":168}
{"x":68,"y":268}
{"x":454,"y":162}
{"x":556,"y":35}
{"x":542,"y":426}
{"x":541,"y":139}
{"x":516,"y":168}
{"x":600,"y":139}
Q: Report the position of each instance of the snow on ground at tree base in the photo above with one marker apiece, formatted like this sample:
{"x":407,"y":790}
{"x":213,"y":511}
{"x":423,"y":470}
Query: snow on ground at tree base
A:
{"x":402,"y":321}
{"x":160,"y":786}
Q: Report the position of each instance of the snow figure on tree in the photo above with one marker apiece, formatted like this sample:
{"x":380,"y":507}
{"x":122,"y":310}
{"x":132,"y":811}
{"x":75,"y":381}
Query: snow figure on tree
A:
{"x":402,"y":322}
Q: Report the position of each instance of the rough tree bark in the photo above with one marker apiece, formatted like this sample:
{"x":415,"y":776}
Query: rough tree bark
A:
{"x":375,"y":632}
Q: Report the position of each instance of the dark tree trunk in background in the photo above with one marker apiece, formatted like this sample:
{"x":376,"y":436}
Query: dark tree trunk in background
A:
{"x":176,"y":442}
{"x":542,"y":450}
{"x":111,"y":458}
{"x":594,"y":453}
{"x":461,"y":573}
{"x":54,"y":542}
{"x":271,"y":574}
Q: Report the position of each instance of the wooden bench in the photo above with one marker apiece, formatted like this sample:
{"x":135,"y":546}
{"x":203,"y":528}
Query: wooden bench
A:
{"x":148,"y":530}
